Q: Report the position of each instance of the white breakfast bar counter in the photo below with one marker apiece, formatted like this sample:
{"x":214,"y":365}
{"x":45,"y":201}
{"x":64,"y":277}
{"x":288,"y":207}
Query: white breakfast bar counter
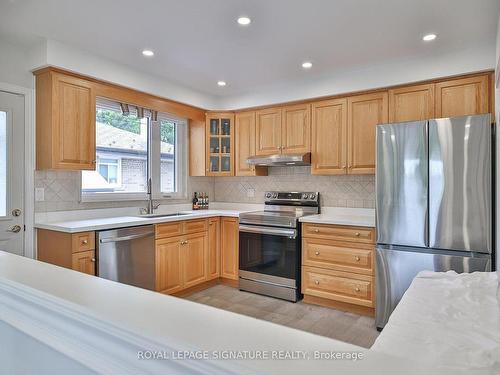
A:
{"x":57,"y":321}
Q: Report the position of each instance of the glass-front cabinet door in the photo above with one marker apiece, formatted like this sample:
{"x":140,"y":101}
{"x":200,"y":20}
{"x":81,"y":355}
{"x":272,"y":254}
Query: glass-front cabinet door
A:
{"x":220,"y":144}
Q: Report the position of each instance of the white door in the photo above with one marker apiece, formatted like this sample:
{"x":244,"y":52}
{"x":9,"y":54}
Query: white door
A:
{"x":12,"y":173}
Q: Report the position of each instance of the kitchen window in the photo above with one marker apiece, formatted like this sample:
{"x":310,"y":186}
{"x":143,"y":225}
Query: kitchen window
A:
{"x":134,"y":145}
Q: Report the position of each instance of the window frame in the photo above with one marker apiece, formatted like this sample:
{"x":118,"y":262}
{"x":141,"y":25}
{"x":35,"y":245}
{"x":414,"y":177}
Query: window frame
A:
{"x":153,"y":164}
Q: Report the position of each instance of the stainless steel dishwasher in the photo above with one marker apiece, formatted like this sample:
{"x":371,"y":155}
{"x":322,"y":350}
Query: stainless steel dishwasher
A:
{"x":127,"y":255}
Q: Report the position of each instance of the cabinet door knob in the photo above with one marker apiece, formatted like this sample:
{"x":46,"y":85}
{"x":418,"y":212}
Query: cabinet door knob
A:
{"x":356,"y":234}
{"x":92,"y":260}
{"x":357,"y":258}
{"x":316,"y":282}
{"x":357,"y":289}
{"x":316,"y":231}
{"x":317,"y":253}
{"x":84,"y":242}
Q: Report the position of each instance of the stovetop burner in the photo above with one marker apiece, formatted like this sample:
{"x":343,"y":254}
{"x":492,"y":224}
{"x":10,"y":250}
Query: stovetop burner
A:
{"x":283,"y":209}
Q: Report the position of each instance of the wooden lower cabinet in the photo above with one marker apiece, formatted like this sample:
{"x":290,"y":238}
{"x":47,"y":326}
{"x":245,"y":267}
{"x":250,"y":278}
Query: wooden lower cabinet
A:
{"x":181,"y":262}
{"x":168,"y":265}
{"x":84,"y":262}
{"x":75,"y":251}
{"x":338,"y":267}
{"x":194,"y":259}
{"x":213,"y":248}
{"x":229,"y":248}
{"x":191,"y":259}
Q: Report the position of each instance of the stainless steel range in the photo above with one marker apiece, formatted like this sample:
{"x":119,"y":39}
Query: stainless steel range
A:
{"x":270,"y":244}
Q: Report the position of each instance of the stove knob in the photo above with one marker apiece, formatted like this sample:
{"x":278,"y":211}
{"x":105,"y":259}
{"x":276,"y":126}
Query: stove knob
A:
{"x":268,"y":195}
{"x":305,"y":196}
{"x":312,"y":196}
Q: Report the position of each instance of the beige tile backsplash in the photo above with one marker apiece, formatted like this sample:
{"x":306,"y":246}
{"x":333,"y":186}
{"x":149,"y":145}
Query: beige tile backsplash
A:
{"x":335,"y":191}
{"x":62,"y":189}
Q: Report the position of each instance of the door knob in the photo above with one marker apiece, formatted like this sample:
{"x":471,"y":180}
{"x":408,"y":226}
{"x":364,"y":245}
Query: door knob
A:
{"x":15,"y":229}
{"x":16,"y":212}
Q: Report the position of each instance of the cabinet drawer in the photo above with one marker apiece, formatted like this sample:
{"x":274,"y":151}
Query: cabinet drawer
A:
{"x":168,"y":229}
{"x":339,"y":232}
{"x":338,"y":286}
{"x":341,"y":256}
{"x":194,"y":226}
{"x":83,"y":241}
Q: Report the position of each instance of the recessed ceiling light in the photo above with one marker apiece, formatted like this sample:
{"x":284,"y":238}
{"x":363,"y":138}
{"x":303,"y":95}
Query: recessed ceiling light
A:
{"x":221,"y":83}
{"x":244,"y":21}
{"x":429,"y":37}
{"x":148,"y":53}
{"x":307,"y":65}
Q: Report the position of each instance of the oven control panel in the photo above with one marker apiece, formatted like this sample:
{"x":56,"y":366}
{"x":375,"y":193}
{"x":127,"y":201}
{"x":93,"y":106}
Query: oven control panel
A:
{"x":292,"y":196}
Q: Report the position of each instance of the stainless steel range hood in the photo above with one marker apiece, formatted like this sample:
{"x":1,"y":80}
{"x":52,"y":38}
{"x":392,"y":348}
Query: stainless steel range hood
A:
{"x":281,"y":160}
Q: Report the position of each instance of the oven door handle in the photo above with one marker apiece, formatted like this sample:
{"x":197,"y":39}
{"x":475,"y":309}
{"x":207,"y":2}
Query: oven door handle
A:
{"x":290,"y":233}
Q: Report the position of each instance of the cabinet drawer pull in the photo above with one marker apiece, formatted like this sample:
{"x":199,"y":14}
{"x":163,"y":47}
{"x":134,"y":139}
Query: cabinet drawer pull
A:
{"x":357,"y":289}
{"x":357,"y":258}
{"x":84,"y":242}
{"x":316,"y":231}
{"x":317,"y":252}
{"x":356,"y":234}
{"x":316,"y":282}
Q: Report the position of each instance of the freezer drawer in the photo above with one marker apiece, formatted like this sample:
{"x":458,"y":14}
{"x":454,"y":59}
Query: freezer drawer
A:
{"x":460,"y":189}
{"x":396,"y":268}
{"x":401,"y":184}
{"x":127,"y":255}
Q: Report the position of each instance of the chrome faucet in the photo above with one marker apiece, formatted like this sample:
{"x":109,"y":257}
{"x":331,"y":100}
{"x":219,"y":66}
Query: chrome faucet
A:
{"x":151,"y":207}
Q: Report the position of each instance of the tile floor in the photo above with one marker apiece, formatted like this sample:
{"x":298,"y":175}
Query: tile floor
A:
{"x":347,"y":327}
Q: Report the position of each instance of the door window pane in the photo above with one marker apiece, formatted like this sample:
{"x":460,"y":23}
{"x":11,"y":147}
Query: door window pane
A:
{"x":168,"y":136}
{"x":3,"y":163}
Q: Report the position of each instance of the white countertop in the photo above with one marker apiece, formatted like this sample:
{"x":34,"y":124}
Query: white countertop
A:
{"x":361,"y":217}
{"x":172,"y":323}
{"x":90,"y":220}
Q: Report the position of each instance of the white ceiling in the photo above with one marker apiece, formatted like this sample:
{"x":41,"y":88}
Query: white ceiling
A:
{"x":198,"y":42}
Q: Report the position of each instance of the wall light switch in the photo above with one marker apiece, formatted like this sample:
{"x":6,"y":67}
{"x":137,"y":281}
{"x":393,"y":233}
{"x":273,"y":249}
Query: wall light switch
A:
{"x":39,"y":194}
{"x":250,"y":193}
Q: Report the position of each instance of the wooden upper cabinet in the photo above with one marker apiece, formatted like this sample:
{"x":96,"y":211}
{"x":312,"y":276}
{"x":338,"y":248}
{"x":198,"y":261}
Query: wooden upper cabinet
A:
{"x":411,"y":103}
{"x":220,"y":144}
{"x":460,"y":97}
{"x":65,"y":121}
{"x":168,"y":265}
{"x":268,"y":131}
{"x":365,"y":112}
{"x":329,"y":137}
{"x":296,"y":129}
{"x":245,"y":145}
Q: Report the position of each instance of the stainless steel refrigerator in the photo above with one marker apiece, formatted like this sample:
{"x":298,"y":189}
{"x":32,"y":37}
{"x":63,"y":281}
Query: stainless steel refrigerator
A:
{"x":434,"y":188}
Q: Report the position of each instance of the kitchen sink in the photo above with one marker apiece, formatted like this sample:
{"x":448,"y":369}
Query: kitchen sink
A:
{"x":164,"y":215}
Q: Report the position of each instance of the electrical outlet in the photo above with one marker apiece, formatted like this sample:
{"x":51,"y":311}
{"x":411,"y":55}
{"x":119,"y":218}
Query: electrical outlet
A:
{"x":250,"y":193}
{"x":39,"y":194}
